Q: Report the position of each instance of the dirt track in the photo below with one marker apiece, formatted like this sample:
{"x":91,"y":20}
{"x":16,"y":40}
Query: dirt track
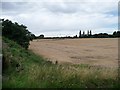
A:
{"x":93,"y":51}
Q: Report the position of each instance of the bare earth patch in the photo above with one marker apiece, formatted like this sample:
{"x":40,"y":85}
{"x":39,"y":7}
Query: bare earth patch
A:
{"x":93,"y":51}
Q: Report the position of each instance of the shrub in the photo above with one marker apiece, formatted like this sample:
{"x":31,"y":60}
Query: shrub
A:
{"x":17,"y":33}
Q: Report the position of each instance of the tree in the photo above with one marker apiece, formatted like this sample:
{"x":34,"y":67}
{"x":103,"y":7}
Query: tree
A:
{"x":16,"y":32}
{"x":41,"y":36}
{"x":83,"y":33}
{"x":75,"y":36}
{"x":116,"y":34}
{"x":90,"y":32}
{"x":80,"y":33}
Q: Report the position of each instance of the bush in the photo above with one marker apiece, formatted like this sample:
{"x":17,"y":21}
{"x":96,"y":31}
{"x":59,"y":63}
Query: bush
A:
{"x":17,"y":33}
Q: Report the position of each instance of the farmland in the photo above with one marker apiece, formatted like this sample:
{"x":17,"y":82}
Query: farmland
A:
{"x":37,"y":72}
{"x":93,"y":51}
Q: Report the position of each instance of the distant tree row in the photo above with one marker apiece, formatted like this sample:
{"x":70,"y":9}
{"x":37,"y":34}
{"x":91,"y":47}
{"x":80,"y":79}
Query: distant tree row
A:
{"x":115,"y":34}
{"x":100,"y":35}
{"x":16,"y":32}
{"x":89,"y":34}
{"x":21,"y":35}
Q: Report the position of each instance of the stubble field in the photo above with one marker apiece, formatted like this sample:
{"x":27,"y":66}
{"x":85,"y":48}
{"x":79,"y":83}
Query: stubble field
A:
{"x":93,"y":51}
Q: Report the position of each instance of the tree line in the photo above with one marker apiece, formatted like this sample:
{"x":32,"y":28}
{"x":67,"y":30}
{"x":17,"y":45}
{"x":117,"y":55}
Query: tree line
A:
{"x":115,"y":34}
{"x":21,"y":35}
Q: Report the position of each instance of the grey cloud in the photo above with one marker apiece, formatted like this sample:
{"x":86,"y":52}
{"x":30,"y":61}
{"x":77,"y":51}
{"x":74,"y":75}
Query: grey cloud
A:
{"x":61,"y":9}
{"x":13,"y":5}
{"x":79,"y":7}
{"x":12,"y":8}
{"x":7,"y":6}
{"x":54,"y":7}
{"x":64,"y":7}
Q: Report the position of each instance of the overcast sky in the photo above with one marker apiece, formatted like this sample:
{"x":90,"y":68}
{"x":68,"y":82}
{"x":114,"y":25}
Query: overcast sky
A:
{"x":63,"y":17}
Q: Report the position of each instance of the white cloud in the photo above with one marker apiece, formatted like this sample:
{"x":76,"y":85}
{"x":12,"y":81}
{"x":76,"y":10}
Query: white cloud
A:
{"x":63,"y":17}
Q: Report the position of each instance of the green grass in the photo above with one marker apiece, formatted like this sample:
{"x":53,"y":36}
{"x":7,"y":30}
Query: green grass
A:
{"x":39,"y":73}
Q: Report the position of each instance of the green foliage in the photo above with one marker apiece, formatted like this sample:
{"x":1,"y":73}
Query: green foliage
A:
{"x":17,"y":33}
{"x":116,"y":34}
{"x":41,"y":36}
{"x":14,"y":53}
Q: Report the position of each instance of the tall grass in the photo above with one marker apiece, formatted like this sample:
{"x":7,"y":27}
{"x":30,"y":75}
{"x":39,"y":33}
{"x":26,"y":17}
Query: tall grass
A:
{"x":39,"y":73}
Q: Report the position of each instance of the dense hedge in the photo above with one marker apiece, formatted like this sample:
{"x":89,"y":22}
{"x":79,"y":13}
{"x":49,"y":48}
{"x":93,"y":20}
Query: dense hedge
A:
{"x":16,"y":32}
